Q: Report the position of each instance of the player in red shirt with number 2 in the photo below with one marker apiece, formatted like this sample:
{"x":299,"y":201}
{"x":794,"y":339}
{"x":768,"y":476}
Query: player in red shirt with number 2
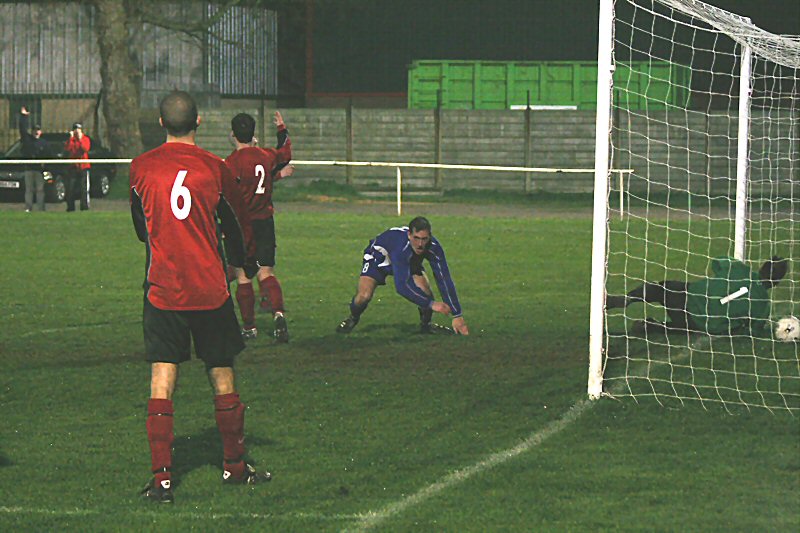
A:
{"x":177,"y":191}
{"x":256,"y":169}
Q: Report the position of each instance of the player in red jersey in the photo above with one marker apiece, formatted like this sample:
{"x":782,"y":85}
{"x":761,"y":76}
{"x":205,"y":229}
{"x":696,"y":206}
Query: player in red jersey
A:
{"x":177,"y":191}
{"x":256,"y":169}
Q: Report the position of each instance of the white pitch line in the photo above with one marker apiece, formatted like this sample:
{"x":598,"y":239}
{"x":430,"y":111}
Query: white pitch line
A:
{"x":51,"y":512}
{"x":60,"y":330}
{"x":372,"y":519}
{"x":185,"y":514}
{"x":258,"y":516}
{"x":71,"y":328}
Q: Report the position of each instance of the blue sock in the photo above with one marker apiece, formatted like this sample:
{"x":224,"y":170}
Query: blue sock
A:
{"x":425,"y":315}
{"x":356,"y":310}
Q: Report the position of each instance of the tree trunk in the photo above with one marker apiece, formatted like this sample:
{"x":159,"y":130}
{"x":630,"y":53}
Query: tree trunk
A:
{"x":121,"y":77}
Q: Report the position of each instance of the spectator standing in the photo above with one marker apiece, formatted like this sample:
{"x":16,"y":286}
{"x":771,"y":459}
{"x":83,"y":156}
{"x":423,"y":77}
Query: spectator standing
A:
{"x":77,"y":147}
{"x":33,"y":147}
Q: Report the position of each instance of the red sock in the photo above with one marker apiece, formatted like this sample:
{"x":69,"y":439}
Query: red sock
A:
{"x":265,"y":304}
{"x":271,"y":287}
{"x":230,"y":421}
{"x":247,"y":301}
{"x":160,"y":435}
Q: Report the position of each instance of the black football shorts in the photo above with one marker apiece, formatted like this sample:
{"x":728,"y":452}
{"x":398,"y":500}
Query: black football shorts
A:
{"x":264,"y":234}
{"x":215,"y":333}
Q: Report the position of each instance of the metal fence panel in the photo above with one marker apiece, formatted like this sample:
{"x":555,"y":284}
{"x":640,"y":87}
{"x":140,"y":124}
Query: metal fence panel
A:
{"x":47,"y":48}
{"x":243,"y":51}
{"x":51,"y":48}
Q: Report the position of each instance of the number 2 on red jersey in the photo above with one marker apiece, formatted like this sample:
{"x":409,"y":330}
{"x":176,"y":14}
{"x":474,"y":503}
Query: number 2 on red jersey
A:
{"x":262,"y":174}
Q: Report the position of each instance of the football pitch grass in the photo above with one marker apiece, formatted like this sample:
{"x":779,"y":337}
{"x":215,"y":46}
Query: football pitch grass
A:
{"x":384,"y":429}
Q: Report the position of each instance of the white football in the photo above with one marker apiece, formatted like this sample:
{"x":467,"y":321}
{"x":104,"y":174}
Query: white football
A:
{"x":787,"y":329}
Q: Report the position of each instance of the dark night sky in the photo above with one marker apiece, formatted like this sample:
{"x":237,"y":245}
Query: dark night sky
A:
{"x":366,"y":46}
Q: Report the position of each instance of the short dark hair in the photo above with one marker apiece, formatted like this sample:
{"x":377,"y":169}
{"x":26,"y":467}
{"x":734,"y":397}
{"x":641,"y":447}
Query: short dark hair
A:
{"x":419,"y":224}
{"x":773,"y":271}
{"x":178,"y":113}
{"x":243,"y":126}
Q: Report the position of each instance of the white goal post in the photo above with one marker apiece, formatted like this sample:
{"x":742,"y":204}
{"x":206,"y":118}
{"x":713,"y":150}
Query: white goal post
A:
{"x":704,"y":107}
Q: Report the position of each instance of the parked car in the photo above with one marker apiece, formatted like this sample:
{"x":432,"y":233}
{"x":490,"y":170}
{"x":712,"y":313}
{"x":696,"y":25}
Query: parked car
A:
{"x":12,"y":180}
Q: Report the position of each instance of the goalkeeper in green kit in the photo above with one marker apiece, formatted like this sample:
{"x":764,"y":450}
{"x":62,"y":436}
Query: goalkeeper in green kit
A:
{"x":733,"y":299}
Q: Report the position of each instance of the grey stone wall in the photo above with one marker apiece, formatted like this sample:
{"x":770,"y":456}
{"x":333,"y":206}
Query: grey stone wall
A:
{"x":666,"y":149}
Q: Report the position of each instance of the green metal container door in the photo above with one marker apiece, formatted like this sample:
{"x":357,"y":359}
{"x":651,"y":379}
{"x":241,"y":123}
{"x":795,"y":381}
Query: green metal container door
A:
{"x":502,"y":84}
{"x":651,"y":85}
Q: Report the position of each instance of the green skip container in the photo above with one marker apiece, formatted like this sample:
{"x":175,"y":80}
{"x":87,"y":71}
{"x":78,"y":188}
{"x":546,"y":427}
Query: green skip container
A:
{"x":556,"y":84}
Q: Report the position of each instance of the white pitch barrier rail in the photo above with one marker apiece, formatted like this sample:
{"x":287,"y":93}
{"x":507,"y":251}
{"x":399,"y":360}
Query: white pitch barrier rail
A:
{"x":336,"y":163}
{"x":62,"y":161}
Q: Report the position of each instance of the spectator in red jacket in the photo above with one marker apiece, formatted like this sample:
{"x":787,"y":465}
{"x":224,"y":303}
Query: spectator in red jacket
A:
{"x":77,"y":175}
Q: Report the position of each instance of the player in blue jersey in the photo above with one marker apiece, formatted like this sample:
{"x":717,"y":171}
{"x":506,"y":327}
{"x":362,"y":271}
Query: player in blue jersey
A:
{"x":399,"y":252}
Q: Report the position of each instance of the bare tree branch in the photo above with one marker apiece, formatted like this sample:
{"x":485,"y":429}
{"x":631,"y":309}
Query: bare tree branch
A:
{"x":153,"y":13}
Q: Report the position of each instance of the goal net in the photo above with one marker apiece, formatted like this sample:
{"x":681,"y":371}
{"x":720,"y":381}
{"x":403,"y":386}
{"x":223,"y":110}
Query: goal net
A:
{"x":704,"y":107}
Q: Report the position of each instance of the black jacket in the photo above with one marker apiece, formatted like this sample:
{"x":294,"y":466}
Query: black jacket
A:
{"x":28,"y":150}
{"x":32,"y":148}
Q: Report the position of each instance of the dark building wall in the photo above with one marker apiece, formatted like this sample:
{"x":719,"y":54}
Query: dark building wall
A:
{"x":365,"y":46}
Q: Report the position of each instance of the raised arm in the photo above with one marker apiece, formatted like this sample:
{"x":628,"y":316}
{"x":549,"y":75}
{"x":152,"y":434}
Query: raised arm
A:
{"x":283,"y":148}
{"x":24,"y":121}
{"x":24,"y":134}
{"x":84,"y":144}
